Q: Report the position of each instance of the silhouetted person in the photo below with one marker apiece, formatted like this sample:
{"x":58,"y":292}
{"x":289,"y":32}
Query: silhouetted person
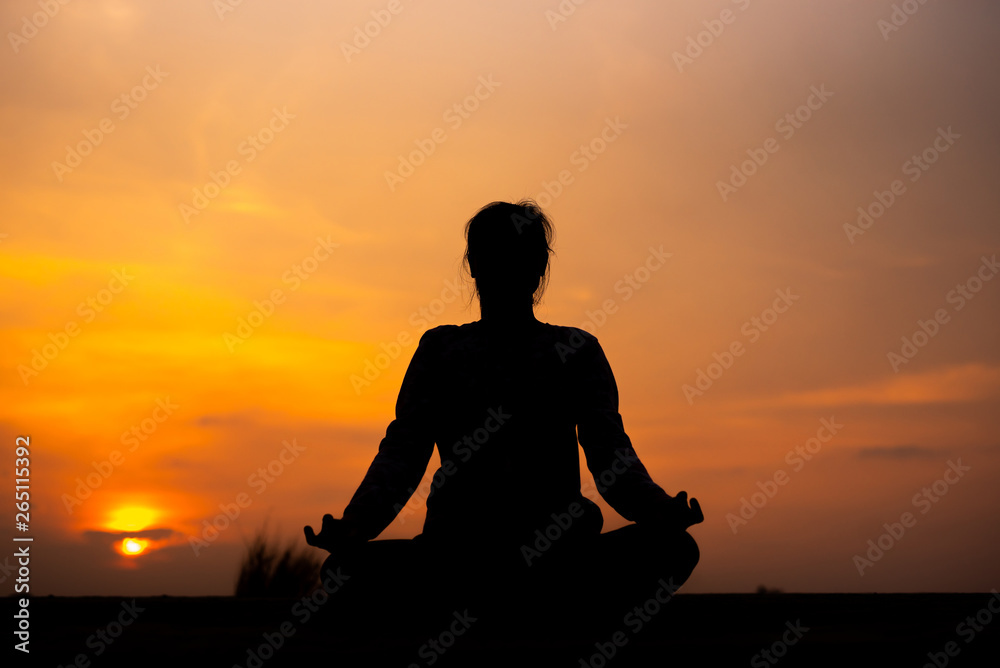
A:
{"x":504,"y":399}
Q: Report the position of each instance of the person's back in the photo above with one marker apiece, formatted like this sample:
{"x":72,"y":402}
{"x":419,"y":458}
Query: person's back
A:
{"x":504,"y":408}
{"x":506,"y":413}
{"x":505,"y":399}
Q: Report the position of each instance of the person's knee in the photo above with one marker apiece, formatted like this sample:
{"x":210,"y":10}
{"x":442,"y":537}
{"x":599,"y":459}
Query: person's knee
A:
{"x":330,"y":568}
{"x":676,"y":551}
{"x":690,"y":547}
{"x":328,"y":563}
{"x":688,"y":551}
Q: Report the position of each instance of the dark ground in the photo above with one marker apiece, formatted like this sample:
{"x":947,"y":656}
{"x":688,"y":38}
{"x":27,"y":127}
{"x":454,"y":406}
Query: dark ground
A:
{"x":691,"y":630}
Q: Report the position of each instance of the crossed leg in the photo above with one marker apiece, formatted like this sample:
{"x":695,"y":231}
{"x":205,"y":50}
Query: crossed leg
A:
{"x":595,"y":576}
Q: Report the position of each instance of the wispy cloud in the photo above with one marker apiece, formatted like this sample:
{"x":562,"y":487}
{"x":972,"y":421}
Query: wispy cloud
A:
{"x":897,"y":452}
{"x":945,"y":385}
{"x":151,"y":534}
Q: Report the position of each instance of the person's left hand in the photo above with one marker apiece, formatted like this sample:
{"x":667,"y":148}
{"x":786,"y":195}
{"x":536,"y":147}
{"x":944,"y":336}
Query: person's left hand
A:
{"x":677,"y":513}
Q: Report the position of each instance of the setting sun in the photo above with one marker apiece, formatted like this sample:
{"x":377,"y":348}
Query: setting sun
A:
{"x":134,"y":546}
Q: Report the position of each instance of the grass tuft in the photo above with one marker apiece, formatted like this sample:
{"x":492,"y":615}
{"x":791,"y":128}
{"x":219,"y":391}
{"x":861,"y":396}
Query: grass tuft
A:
{"x":273,"y":569}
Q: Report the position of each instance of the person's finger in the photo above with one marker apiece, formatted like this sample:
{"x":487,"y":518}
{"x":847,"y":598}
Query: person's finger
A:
{"x":330,"y":525}
{"x":310,"y":535}
{"x":696,"y":507}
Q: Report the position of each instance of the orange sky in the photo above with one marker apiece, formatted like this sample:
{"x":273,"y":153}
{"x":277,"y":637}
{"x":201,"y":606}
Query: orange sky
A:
{"x":151,"y":280}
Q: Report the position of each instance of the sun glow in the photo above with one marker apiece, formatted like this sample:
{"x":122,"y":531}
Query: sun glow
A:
{"x":134,"y":546}
{"x":131,"y":518}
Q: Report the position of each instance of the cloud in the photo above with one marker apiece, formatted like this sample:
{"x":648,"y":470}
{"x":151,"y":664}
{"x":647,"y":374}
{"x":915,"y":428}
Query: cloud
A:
{"x":112,"y":536}
{"x":944,"y":385}
{"x":897,"y":452}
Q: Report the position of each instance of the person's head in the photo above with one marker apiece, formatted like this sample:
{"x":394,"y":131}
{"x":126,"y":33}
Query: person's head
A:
{"x":507,"y":251}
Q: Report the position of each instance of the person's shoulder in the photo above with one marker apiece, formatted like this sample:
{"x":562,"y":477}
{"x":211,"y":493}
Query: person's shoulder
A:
{"x":446,"y":333}
{"x":573,"y":343}
{"x":572,"y":335}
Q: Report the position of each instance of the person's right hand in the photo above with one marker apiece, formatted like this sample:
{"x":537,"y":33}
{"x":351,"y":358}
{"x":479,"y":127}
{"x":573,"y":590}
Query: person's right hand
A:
{"x":334,"y":536}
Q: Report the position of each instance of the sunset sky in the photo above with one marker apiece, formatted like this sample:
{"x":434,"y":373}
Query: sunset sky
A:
{"x":214,"y":222}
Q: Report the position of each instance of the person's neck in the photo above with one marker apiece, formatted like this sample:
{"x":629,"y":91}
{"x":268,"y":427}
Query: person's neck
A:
{"x":507,"y":316}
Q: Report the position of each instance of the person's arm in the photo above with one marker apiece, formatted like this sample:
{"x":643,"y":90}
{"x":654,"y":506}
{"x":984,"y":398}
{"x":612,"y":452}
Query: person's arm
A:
{"x":404,"y":452}
{"x":621,"y":478}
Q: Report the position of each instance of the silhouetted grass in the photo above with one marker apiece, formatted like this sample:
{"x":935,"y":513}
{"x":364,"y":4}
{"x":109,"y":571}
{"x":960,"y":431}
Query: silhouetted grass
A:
{"x":272,"y":569}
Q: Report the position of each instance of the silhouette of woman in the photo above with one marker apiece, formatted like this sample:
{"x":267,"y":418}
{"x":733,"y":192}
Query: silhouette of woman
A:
{"x":504,"y":399}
